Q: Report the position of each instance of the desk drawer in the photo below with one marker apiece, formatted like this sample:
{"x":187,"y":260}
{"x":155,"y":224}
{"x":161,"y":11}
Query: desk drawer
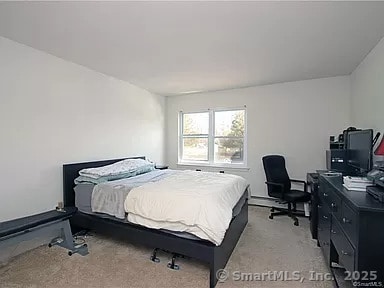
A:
{"x":335,"y":204}
{"x":343,"y":247}
{"x":324,"y":227}
{"x":333,"y":201}
{"x":349,"y":223}
{"x":324,"y":192}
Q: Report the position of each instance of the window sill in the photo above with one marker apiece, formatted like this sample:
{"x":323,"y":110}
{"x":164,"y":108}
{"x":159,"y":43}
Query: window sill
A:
{"x":215,"y":166}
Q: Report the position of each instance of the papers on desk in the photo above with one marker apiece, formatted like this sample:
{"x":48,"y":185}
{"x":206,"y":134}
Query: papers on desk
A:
{"x":362,"y":189}
{"x":356,"y":183}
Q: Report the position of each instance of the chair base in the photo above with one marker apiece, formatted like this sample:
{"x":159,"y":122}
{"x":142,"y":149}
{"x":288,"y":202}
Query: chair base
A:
{"x":292,"y":213}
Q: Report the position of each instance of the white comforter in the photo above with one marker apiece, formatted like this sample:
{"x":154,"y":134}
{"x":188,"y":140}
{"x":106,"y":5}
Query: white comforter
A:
{"x":109,"y":197}
{"x":199,"y":203}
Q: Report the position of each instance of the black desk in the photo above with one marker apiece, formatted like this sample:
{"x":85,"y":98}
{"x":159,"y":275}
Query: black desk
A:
{"x":313,"y":184}
{"x":350,"y":231}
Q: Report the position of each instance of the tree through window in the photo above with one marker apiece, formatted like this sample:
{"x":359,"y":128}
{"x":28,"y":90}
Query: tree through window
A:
{"x":213,"y":137}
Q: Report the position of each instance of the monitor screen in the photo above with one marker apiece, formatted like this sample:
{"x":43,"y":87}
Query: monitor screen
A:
{"x":360,"y":150}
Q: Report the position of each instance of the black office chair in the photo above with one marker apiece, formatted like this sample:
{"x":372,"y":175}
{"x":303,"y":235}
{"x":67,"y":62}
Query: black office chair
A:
{"x":279,"y":186}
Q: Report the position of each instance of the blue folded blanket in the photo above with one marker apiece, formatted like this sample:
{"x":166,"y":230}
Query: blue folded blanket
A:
{"x":116,"y":176}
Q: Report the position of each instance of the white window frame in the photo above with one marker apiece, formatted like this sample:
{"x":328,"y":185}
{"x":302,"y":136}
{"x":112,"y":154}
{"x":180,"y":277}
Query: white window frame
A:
{"x":211,"y":139}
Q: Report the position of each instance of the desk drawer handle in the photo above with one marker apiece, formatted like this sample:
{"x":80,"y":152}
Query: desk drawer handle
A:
{"x":325,"y":194}
{"x":325,"y":217}
{"x":345,"y":220}
{"x":333,"y":205}
{"x":333,"y":231}
{"x":319,"y":206}
{"x":344,"y":253}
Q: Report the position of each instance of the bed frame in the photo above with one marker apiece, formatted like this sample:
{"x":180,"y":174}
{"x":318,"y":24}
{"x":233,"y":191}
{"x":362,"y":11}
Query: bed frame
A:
{"x":215,"y":256}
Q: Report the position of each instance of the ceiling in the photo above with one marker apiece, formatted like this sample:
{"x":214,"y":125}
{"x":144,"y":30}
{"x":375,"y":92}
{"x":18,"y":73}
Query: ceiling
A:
{"x":172,"y":48}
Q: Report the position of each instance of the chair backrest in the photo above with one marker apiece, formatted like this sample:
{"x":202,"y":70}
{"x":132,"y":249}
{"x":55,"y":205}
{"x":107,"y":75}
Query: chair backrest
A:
{"x":275,"y":171}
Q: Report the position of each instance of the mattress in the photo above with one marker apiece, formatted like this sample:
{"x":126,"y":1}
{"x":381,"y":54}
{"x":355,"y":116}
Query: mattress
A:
{"x":108,"y":197}
{"x":83,"y":196}
{"x":200,"y":203}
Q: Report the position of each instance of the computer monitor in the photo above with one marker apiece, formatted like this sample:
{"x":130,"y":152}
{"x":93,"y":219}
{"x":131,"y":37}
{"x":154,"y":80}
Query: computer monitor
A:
{"x":359,"y":151}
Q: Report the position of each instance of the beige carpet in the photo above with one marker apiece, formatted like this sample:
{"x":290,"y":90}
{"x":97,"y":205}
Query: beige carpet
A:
{"x":266,"y":245}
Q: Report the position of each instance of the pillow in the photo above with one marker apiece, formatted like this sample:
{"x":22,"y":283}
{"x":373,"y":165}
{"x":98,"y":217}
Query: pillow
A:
{"x":86,"y":179}
{"x":134,"y":168}
{"x":121,"y":167}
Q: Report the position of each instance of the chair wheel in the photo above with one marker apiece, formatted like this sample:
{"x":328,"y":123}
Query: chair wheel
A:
{"x":49,"y":245}
{"x":70,"y":253}
{"x":270,"y":217}
{"x":85,"y":245}
{"x":296,"y":223}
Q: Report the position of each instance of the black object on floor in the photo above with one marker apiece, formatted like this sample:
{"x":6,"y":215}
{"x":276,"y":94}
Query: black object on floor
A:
{"x":172,"y":265}
{"x":153,"y":257}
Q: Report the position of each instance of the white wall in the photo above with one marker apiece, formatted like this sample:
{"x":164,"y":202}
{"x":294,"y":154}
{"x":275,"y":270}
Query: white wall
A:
{"x":368,"y":91}
{"x":54,"y":112}
{"x":293,"y":119}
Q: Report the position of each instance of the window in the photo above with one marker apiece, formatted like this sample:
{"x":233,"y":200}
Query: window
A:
{"x":214,"y":137}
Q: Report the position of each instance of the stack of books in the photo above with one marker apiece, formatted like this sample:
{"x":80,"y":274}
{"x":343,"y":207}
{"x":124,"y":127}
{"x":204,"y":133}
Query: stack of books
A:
{"x":356,"y":183}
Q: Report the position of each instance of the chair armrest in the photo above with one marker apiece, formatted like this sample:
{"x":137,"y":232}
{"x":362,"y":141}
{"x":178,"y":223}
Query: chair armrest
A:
{"x":300,"y":181}
{"x":280,"y":185}
{"x":275,"y":184}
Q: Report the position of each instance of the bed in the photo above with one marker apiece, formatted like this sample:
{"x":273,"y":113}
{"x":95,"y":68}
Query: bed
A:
{"x":215,"y":256}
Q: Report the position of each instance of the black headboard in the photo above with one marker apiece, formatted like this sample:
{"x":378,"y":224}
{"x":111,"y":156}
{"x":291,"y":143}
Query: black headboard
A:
{"x":71,"y":172}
